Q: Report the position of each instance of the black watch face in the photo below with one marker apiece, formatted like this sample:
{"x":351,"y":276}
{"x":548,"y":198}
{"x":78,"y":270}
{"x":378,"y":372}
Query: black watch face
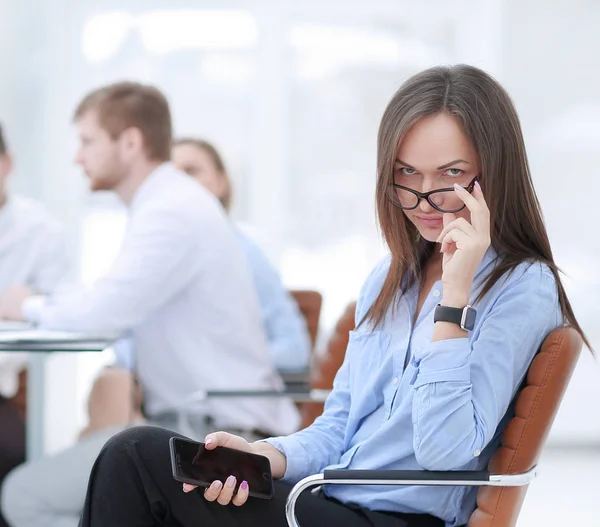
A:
{"x":470,"y":318}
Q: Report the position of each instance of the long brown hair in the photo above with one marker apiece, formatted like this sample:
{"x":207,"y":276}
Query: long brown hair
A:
{"x":489,"y":119}
{"x":216,"y":158}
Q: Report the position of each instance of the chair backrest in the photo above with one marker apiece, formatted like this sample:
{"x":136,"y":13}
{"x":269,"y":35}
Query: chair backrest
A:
{"x":310,"y":303}
{"x":526,"y":433}
{"x":325,"y":368}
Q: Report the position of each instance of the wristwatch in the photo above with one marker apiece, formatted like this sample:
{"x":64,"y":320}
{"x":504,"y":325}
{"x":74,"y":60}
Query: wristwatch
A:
{"x":461,"y":316}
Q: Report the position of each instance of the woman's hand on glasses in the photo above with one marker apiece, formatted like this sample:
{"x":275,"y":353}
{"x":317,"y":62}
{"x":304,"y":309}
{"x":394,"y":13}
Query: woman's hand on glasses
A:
{"x":463,"y":245}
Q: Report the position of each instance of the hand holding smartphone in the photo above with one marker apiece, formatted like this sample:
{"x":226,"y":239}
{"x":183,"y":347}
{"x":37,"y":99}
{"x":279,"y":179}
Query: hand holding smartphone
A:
{"x":193,"y":463}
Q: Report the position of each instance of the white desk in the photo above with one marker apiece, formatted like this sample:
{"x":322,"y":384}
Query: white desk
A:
{"x":39,"y":344}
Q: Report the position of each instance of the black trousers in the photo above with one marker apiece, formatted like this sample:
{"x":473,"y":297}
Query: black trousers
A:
{"x":12,"y":441}
{"x":131,"y":485}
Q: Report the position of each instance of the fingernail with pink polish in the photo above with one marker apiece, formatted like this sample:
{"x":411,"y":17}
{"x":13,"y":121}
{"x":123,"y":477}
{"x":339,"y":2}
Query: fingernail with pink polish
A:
{"x":478,"y":185}
{"x":209,"y":441}
{"x":244,"y":485}
{"x":230,"y":481}
{"x":458,"y":187}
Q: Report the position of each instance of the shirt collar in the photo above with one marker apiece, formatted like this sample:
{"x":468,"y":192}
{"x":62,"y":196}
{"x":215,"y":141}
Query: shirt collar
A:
{"x":152,"y":184}
{"x":488,"y":262}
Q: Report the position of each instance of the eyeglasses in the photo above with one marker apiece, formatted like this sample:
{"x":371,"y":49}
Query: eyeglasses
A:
{"x":442,"y":200}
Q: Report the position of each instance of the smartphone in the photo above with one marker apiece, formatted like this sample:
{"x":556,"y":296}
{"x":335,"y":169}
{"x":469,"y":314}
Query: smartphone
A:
{"x":192,"y":463}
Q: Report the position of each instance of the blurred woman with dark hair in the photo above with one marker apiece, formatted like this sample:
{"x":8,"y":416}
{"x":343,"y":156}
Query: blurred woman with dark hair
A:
{"x":285,"y":327}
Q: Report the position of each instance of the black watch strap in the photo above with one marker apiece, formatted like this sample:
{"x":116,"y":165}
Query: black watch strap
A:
{"x":461,"y":316}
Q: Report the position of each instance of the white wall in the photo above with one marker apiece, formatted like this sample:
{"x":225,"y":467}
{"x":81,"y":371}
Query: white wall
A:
{"x":293,"y":96}
{"x":550,"y":65}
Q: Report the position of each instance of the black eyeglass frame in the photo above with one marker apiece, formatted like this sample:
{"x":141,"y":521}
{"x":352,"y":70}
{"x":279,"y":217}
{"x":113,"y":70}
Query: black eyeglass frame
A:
{"x":426,"y":196}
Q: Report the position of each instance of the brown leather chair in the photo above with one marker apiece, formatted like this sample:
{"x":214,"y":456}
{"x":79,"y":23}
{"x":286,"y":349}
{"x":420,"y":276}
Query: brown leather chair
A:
{"x":512,"y":467}
{"x":310,"y":303}
{"x":325,"y":368}
{"x":526,"y":433}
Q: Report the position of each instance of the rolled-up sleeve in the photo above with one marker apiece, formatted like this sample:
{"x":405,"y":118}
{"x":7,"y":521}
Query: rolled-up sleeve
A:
{"x":155,"y":262}
{"x":463,"y":387}
{"x":444,"y":361}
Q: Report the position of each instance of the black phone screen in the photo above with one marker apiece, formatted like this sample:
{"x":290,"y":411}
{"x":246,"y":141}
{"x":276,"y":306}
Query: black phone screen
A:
{"x":192,"y":463}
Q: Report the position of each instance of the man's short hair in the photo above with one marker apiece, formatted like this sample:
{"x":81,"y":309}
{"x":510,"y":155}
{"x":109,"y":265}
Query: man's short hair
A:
{"x":3,"y":147}
{"x":132,"y":105}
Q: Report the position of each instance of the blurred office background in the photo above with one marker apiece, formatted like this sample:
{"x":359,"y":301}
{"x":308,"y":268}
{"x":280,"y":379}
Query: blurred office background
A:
{"x":292,"y":93}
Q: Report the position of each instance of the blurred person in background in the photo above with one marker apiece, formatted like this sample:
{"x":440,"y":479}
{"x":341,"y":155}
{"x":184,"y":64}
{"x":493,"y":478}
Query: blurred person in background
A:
{"x":32,"y":254}
{"x":286,"y":329}
{"x":289,"y":342}
{"x":180,"y":287}
{"x":446,"y":328}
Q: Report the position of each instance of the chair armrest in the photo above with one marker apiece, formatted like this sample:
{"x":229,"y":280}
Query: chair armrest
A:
{"x":407,"y":475}
{"x":403,"y":477}
{"x":297,"y":377}
{"x":314,"y":395}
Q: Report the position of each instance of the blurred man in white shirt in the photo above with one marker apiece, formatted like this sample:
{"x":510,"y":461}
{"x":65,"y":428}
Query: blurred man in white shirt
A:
{"x":32,"y":254}
{"x":180,"y":286}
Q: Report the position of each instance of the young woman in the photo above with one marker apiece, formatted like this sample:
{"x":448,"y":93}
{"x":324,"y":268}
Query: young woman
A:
{"x":419,"y":389}
{"x":285,"y":327}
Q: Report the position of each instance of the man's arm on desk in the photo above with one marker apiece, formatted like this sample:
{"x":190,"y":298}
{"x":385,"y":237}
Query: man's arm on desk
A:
{"x":156,"y":261}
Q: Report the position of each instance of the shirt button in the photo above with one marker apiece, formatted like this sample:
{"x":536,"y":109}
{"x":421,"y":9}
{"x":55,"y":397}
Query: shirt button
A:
{"x":436,"y":293}
{"x":477,"y":453}
{"x":395,"y":380}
